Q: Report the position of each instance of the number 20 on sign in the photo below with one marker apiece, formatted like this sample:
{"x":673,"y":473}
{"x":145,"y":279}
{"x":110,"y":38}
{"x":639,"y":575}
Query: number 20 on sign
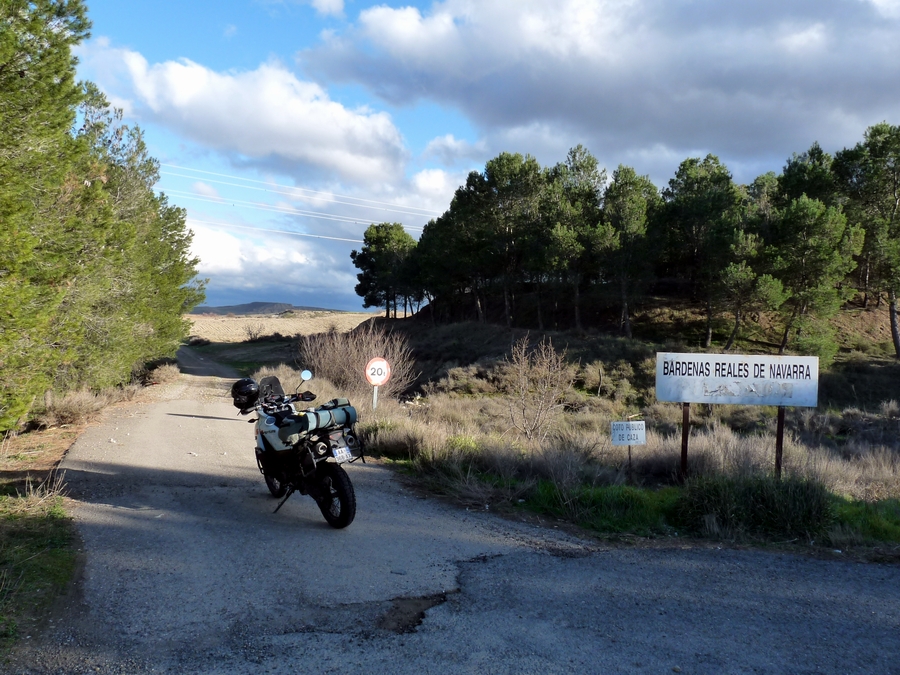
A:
{"x":378,"y":372}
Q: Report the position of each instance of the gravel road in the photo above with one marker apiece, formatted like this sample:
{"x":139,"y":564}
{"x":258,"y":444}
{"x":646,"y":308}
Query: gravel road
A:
{"x":187,"y":570}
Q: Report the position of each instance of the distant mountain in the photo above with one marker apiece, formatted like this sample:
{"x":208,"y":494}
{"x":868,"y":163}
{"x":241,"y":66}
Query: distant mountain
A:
{"x":257,"y":308}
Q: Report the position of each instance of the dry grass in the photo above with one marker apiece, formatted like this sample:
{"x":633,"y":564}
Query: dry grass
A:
{"x":83,"y":405}
{"x":341,"y":358}
{"x":163,"y":374}
{"x":240,"y":329}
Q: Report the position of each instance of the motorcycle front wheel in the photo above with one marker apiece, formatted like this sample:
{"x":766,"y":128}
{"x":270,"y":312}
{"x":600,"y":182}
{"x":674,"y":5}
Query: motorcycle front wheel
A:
{"x":338,"y":501}
{"x":276,"y":487}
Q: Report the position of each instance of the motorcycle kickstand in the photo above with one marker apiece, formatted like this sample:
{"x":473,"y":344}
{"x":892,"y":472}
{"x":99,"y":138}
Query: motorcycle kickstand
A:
{"x":290,"y":491}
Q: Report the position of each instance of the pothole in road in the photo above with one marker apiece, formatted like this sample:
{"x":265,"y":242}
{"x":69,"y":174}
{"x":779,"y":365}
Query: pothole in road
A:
{"x":407,"y":614}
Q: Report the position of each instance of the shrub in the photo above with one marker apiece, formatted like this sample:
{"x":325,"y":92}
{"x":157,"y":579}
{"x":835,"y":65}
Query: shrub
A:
{"x":73,"y":407}
{"x":167,"y":372}
{"x":537,"y":379}
{"x":757,"y":505}
{"x":341,"y":358}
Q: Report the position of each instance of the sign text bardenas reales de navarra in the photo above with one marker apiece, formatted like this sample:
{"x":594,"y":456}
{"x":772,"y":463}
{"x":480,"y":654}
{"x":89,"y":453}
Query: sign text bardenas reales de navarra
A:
{"x":775,"y":371}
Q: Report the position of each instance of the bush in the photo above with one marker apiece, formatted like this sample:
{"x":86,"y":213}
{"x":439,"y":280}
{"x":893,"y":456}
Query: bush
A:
{"x":341,"y":358}
{"x":537,"y":380}
{"x":757,"y":506}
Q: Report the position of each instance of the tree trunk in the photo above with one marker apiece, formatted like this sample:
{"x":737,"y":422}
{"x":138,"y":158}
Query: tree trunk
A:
{"x":479,"y":311}
{"x":709,"y":313}
{"x":895,"y":331}
{"x":625,"y":319}
{"x":540,"y":316}
{"x":506,"y":305}
{"x":734,"y":331}
{"x":577,"y":306}
{"x":784,"y":338}
{"x":866,"y":284}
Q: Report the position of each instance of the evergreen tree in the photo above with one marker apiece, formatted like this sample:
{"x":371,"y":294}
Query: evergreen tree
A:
{"x":571,"y":206}
{"x":702,"y":212}
{"x":381,"y":261}
{"x":629,"y":202}
{"x":812,"y":251}
{"x":38,"y":95}
{"x":869,"y":174}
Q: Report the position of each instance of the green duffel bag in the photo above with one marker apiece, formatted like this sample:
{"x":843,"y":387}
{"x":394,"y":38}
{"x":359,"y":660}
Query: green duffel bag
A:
{"x":294,"y":426}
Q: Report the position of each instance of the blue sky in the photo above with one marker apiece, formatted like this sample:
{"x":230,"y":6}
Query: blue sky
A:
{"x":319,"y":117}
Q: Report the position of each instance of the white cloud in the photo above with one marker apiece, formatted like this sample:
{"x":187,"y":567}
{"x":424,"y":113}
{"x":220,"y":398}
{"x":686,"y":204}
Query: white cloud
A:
{"x":748,"y":81}
{"x":887,"y":8}
{"x":230,"y":31}
{"x":250,"y":264}
{"x":266,"y":115}
{"x":205,"y":190}
{"x":334,"y":7}
{"x":805,"y":40}
{"x":451,"y":150}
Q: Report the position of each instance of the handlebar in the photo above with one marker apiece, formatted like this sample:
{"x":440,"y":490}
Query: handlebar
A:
{"x":277,"y":403}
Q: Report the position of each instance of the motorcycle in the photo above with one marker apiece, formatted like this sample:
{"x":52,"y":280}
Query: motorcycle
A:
{"x":303,"y":450}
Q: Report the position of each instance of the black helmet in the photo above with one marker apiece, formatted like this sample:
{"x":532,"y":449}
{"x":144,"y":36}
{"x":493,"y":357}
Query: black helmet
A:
{"x":245,"y":393}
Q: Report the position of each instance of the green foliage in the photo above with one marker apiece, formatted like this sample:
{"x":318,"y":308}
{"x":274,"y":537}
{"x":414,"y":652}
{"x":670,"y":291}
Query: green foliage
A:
{"x":871,"y":522}
{"x":95,"y":271}
{"x":757,"y":506}
{"x":616,"y":509}
{"x":808,"y":174}
{"x":382,"y":259}
{"x":812,"y":250}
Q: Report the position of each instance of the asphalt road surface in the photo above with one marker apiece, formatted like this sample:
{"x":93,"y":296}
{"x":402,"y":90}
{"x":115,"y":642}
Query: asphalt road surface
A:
{"x":187,"y":570}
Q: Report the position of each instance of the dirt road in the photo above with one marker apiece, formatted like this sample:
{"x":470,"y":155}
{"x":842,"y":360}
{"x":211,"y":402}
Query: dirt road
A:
{"x":187,"y":570}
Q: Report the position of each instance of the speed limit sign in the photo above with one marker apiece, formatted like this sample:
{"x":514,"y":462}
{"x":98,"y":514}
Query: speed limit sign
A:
{"x":378,"y":371}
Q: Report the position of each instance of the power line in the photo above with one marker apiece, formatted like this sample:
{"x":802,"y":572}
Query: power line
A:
{"x":262,"y":229}
{"x":261,"y":206}
{"x":404,"y":210}
{"x":317,"y":192}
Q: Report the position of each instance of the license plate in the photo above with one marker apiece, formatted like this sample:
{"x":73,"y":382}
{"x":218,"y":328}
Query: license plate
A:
{"x":342,"y":454}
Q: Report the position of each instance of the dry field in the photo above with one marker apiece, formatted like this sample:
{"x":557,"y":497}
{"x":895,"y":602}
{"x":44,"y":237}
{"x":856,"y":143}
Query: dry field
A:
{"x":244,"y":327}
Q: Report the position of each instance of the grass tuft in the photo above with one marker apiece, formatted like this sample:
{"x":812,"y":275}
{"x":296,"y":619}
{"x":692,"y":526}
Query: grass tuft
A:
{"x":36,"y":556}
{"x":757,"y":506}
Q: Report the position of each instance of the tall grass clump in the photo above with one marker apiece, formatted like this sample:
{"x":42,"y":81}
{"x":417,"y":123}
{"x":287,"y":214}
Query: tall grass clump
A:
{"x":759,"y":505}
{"x":36,"y":556}
{"x":341,"y":358}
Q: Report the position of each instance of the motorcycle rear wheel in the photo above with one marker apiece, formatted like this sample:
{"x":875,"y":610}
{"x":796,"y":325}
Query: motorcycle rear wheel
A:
{"x":276,"y":487}
{"x":338,"y":504}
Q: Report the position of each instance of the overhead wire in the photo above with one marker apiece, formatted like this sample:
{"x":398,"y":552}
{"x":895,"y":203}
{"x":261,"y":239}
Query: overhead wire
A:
{"x":411,"y":210}
{"x":263,"y":229}
{"x":261,"y":206}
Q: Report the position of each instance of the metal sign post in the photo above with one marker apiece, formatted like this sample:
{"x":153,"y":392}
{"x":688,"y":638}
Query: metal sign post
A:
{"x":378,"y":372}
{"x":629,"y":433}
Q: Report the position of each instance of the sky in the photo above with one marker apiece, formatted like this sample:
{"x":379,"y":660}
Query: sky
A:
{"x":286,"y":127}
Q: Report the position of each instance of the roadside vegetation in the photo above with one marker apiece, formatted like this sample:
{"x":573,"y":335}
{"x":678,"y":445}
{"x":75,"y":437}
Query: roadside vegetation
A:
{"x":95,"y":267}
{"x":526,"y":431}
{"x":37,"y":536}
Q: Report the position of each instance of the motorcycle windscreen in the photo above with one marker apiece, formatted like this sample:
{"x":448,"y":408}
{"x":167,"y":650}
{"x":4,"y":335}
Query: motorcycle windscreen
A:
{"x":270,"y":386}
